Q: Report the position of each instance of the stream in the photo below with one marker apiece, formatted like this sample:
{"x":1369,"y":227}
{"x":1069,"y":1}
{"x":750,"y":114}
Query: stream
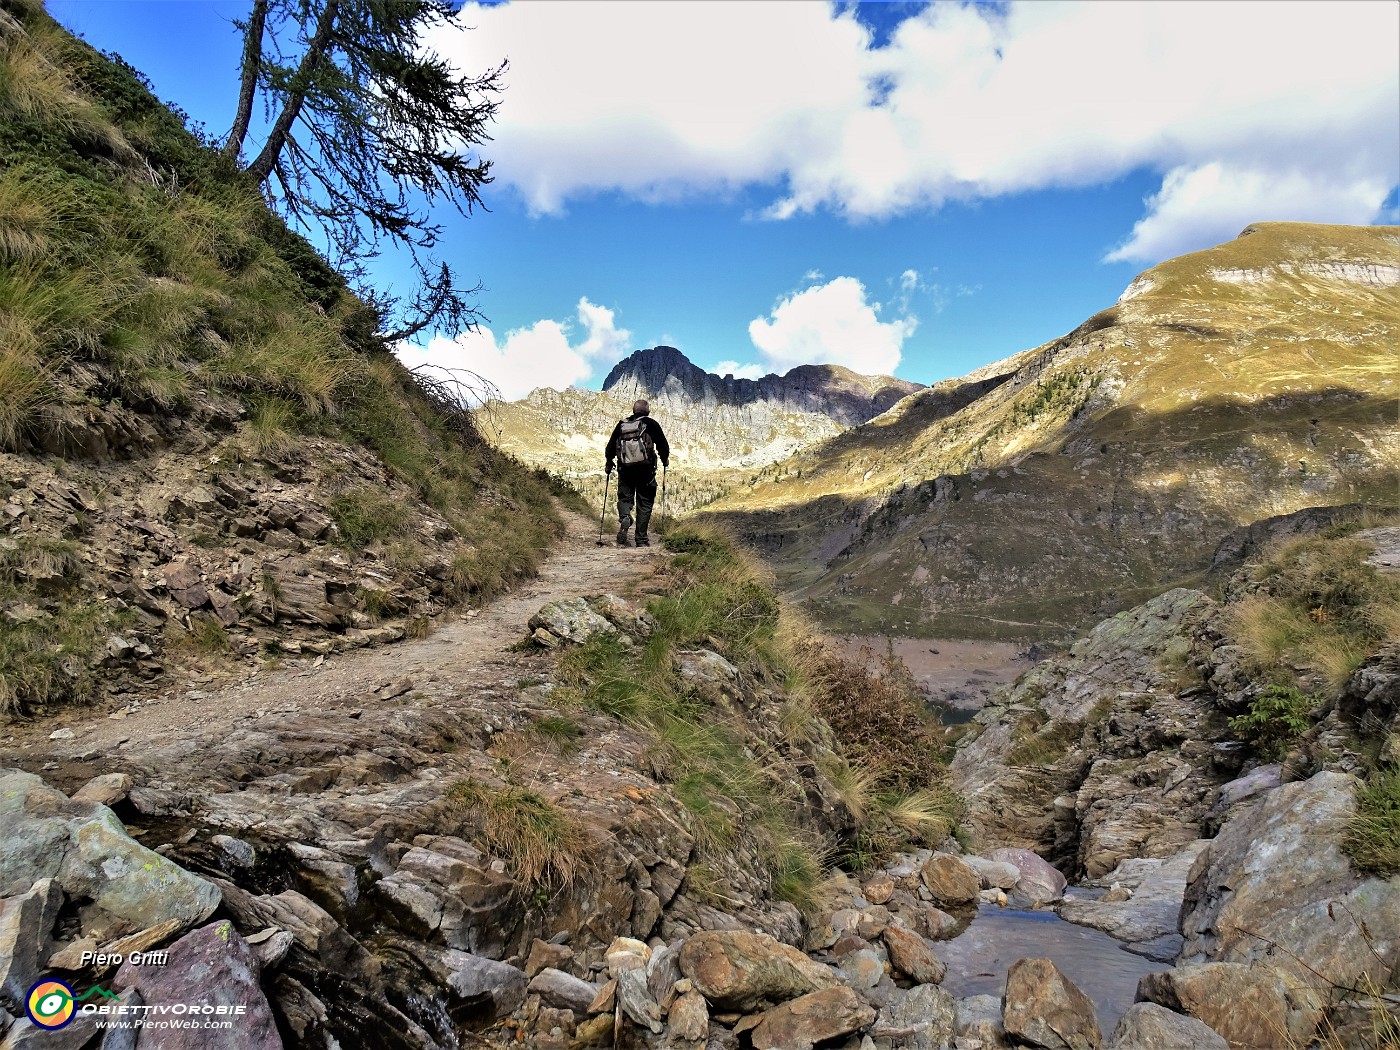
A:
{"x":979,"y":957}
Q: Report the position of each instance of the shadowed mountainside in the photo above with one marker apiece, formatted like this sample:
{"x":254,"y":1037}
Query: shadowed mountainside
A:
{"x":1250,"y":380}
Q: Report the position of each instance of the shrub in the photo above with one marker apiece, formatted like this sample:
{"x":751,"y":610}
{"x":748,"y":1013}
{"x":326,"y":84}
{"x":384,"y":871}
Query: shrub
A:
{"x":880,"y":718}
{"x":1276,"y":717}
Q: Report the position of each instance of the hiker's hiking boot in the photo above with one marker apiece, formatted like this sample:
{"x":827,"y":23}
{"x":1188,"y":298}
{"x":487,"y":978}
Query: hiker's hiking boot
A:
{"x":623,"y":526}
{"x":642,"y":541}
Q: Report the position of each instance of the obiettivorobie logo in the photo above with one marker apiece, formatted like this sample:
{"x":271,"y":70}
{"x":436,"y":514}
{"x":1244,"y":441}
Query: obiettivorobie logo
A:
{"x":52,"y":1004}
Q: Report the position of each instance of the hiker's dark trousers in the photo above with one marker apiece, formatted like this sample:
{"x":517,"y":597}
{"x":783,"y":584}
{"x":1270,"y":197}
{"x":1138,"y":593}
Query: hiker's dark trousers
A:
{"x":640,"y":487}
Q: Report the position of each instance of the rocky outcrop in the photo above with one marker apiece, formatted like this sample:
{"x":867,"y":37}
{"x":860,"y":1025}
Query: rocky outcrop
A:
{"x":1099,"y":755}
{"x":1276,"y":876}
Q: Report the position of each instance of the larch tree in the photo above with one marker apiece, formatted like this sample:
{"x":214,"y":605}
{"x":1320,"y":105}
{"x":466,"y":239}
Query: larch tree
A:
{"x":367,"y":130}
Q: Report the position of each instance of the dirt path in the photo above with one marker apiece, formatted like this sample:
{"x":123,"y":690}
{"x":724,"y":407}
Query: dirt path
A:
{"x":468,"y":650}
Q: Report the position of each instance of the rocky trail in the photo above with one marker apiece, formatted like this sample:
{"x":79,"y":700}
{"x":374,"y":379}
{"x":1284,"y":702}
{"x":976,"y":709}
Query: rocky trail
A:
{"x":469,"y":651}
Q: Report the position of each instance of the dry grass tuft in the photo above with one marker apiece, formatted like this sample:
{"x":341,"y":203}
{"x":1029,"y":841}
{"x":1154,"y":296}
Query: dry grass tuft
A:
{"x":1318,"y":605}
{"x":547,"y":846}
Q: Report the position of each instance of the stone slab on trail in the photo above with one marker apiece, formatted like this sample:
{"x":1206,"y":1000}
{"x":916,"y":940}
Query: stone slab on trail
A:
{"x":88,"y":854}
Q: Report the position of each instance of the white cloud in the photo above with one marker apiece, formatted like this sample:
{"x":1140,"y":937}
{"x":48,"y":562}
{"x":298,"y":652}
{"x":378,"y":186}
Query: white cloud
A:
{"x":1196,"y":203}
{"x":540,"y":355}
{"x":965,"y":102}
{"x":831,"y":324}
{"x":739,"y":371}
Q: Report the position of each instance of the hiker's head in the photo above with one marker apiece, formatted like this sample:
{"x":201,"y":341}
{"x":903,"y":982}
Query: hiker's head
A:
{"x":640,"y":408}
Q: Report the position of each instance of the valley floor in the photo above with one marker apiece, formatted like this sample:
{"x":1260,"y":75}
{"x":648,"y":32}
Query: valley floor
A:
{"x":962,"y":673}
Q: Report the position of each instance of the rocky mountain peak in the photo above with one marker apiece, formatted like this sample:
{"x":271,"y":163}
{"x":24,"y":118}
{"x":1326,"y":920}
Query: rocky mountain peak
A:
{"x":665,"y":375}
{"x":648,"y":371}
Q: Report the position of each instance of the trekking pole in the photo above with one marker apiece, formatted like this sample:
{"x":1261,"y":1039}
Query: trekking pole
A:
{"x":607,"y":480}
{"x":665,"y":507}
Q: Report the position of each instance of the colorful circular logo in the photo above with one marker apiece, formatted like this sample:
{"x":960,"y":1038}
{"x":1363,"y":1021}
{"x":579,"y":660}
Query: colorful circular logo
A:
{"x":50,"y":1004}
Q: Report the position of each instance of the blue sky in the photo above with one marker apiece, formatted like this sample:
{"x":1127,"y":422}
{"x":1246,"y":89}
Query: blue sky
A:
{"x":908,"y":187}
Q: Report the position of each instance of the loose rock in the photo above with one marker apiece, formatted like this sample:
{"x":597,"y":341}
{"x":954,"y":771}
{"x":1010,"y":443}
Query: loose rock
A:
{"x":1043,"y":1007}
{"x":1147,"y":1026}
{"x":810,"y":1019}
{"x":738,"y":971}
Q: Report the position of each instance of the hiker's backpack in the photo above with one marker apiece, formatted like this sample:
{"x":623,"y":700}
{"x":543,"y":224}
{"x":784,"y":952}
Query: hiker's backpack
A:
{"x":634,"y":443}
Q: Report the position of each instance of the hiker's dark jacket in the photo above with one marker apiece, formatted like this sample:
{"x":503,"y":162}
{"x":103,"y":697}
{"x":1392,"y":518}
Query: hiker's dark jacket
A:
{"x":658,"y":438}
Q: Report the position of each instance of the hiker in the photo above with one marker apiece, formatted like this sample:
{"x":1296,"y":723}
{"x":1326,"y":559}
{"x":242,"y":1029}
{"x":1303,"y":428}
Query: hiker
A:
{"x":636,"y":444}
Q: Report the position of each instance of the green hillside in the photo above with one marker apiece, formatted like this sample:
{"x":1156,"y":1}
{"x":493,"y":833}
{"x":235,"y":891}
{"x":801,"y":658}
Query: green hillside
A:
{"x":1225,"y":386}
{"x":184,"y":382}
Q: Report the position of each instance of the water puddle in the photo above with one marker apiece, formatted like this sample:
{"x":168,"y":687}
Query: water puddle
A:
{"x":979,"y":958}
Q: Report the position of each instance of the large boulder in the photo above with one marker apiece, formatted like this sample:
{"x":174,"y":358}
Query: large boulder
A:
{"x":735,"y":970}
{"x":216,"y":973}
{"x":951,"y":883}
{"x":1040,"y":882}
{"x":1276,"y":874}
{"x":1045,"y":1008}
{"x":84,"y":848}
{"x":1147,"y":1026}
{"x":913,"y":956}
{"x":1252,"y":1005}
{"x":816,"y":1017}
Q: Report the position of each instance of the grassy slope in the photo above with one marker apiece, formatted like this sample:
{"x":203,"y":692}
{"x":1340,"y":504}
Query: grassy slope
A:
{"x":150,"y":306}
{"x":1229,"y":385}
{"x":875,"y":746}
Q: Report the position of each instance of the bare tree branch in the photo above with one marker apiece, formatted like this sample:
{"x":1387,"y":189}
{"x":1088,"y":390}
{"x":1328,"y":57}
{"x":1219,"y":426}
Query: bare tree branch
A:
{"x":315,"y":54}
{"x":248,"y":78}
